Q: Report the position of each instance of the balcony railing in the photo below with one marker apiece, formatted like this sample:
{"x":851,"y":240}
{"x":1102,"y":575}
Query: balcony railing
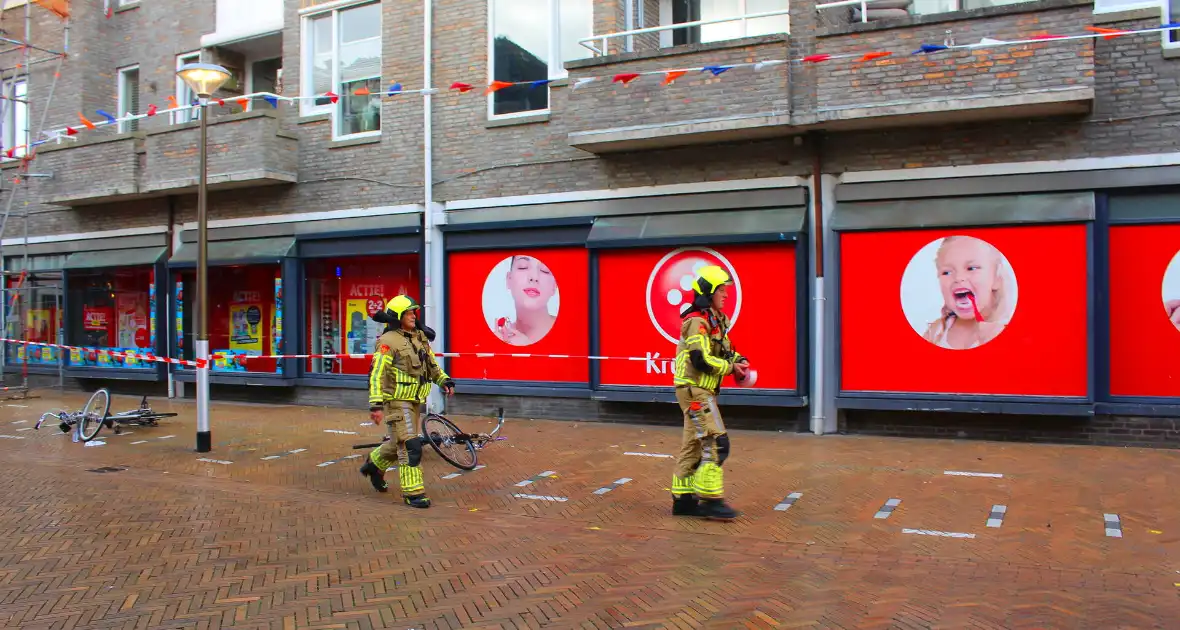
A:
{"x":604,"y":39}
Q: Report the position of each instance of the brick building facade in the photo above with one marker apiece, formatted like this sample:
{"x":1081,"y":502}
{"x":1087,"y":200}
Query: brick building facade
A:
{"x":318,"y":208}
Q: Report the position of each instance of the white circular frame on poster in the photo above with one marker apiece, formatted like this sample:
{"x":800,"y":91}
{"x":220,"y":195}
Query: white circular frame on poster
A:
{"x":939,"y":285}
{"x":686,"y":285}
{"x":500,"y":302}
{"x":1170,"y":290}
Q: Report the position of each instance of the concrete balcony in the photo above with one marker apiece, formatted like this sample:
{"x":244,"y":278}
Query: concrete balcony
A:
{"x":94,"y":170}
{"x":603,"y":117}
{"x":244,"y":150}
{"x":1039,"y":79}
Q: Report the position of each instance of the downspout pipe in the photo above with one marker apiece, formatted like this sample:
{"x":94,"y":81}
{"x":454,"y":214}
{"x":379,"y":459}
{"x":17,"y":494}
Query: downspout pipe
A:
{"x":818,"y":300}
{"x":430,"y":297}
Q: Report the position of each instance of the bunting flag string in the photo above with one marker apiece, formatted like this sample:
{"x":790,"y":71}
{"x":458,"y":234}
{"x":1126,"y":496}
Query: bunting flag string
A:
{"x":625,"y":79}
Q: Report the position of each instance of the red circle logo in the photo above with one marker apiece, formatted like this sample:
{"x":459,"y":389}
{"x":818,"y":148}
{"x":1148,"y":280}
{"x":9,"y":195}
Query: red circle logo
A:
{"x":141,"y":338}
{"x":375,"y":305}
{"x":669,"y":288}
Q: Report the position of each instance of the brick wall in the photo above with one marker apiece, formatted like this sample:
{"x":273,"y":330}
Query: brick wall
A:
{"x":245,"y":146}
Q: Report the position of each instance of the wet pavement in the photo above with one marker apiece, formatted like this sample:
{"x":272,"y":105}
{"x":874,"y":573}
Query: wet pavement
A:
{"x":275,"y":528}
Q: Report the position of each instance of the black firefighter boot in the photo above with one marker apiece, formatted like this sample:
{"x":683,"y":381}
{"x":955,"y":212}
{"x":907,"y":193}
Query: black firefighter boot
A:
{"x":417,"y":501}
{"x":685,"y":505}
{"x":376,"y":477}
{"x":717,"y":509}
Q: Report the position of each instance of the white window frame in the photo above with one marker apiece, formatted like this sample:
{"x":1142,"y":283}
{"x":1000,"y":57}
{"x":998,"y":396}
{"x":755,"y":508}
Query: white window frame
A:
{"x":666,"y":20}
{"x":182,"y":91}
{"x":307,"y":106}
{"x":13,"y":136}
{"x":557,"y":69}
{"x":124,"y":101}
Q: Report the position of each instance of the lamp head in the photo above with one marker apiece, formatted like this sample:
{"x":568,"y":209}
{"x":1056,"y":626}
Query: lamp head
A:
{"x":203,"y":78}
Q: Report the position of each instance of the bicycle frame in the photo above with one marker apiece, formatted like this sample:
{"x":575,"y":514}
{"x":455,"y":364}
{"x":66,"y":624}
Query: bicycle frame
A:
{"x":479,"y":440}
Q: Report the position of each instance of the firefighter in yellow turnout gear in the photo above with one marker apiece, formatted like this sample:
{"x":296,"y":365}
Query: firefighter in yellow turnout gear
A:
{"x":400,"y":378}
{"x":703,"y":357}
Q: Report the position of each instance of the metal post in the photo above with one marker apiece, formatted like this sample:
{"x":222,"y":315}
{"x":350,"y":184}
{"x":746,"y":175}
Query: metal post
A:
{"x":204,"y":436}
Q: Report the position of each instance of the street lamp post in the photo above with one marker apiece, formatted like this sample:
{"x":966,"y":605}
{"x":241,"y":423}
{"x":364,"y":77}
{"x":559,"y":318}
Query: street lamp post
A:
{"x":204,"y":79}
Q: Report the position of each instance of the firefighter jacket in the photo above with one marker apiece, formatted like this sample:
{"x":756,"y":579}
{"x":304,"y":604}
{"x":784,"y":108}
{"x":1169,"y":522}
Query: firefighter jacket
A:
{"x":708,"y":333}
{"x":403,"y":368}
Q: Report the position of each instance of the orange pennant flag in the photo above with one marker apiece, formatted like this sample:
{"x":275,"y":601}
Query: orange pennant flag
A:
{"x":875,"y":55}
{"x":362,"y":92}
{"x":60,"y":8}
{"x":669,"y":77}
{"x":496,"y":86}
{"x":172,"y":102}
{"x":244,"y":103}
{"x":86,"y":123}
{"x":1110,"y":33}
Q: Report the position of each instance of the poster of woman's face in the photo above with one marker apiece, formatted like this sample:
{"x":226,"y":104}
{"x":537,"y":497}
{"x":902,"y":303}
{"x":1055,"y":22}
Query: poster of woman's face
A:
{"x":959,"y":292}
{"x":1171,"y":290}
{"x":520,"y":300}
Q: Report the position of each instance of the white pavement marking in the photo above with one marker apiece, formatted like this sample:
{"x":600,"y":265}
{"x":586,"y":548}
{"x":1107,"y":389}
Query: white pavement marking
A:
{"x":460,"y":474}
{"x":165,"y":437}
{"x":140,"y":442}
{"x":11,"y":437}
{"x":1114,"y":527}
{"x":526,"y":482}
{"x":612,"y":486}
{"x":21,"y":422}
{"x":298,"y":450}
{"x":650,"y":455}
{"x":931,"y":532}
{"x":21,"y":406}
{"x":214,"y":461}
{"x":996,"y":517}
{"x":788,"y":502}
{"x":337,"y":461}
{"x":340,"y":432}
{"x":959,"y":473}
{"x":96,"y":443}
{"x":270,"y":457}
{"x":887,"y":509}
{"x":24,"y":429}
{"x":539,"y":497}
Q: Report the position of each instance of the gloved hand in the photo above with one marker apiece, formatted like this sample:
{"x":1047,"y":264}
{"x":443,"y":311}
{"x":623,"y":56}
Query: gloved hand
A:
{"x":448,"y":386}
{"x":376,"y":415}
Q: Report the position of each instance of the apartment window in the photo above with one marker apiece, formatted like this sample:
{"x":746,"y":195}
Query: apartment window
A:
{"x":184,"y":94}
{"x":530,"y":41}
{"x":128,"y":97}
{"x":342,"y":54}
{"x":14,"y":118}
{"x":682,"y":11}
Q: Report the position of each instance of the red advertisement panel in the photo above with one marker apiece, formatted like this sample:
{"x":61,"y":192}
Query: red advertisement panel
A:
{"x":642,"y":291}
{"x":1145,"y":310}
{"x":526,"y":301}
{"x":981,"y":311}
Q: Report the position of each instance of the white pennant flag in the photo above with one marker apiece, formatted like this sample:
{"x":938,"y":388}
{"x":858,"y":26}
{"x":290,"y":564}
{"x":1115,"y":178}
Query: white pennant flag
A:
{"x":581,"y":82}
{"x":987,"y":41}
{"x":766,"y":64}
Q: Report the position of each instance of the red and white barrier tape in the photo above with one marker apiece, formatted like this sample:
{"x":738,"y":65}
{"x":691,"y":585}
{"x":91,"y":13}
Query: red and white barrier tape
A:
{"x":146,"y":356}
{"x":249,"y":357}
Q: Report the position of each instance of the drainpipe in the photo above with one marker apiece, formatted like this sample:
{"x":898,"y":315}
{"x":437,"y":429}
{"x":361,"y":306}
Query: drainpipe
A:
{"x":431,"y":298}
{"x":818,"y":405}
{"x":629,"y":24}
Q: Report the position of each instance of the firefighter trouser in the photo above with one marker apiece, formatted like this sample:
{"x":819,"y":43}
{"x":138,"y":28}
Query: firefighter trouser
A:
{"x":704,"y":447}
{"x":404,"y":446}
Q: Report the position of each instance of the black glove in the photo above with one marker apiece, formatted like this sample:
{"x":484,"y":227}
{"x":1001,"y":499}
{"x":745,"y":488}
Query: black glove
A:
{"x":449,"y":383}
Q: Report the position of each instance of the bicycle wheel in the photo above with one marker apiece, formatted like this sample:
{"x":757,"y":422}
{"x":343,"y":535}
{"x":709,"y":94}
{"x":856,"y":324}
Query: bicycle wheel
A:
{"x":440,"y":433}
{"x":94,"y":414}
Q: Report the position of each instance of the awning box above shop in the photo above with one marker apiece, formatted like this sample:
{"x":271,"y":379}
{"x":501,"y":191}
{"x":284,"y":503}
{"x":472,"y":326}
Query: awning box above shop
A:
{"x":380,"y":234}
{"x":730,"y":226}
{"x":101,"y":259}
{"x":254,"y":250}
{"x":964,"y":211}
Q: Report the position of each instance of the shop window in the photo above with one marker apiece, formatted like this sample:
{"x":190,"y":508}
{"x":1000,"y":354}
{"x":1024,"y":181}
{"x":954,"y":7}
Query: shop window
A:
{"x":342,"y":294}
{"x":32,"y":309}
{"x":111,"y":311}
{"x":245,"y":317}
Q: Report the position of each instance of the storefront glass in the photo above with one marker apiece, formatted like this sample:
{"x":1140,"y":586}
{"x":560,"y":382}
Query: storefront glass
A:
{"x":245,"y":316}
{"x":32,"y":309}
{"x":111,"y":310}
{"x":342,"y":294}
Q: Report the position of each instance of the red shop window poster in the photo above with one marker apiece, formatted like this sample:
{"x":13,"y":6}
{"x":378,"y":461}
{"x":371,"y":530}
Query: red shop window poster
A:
{"x":642,"y":290}
{"x":529,"y":301}
{"x":1145,"y":310}
{"x":994,"y":311}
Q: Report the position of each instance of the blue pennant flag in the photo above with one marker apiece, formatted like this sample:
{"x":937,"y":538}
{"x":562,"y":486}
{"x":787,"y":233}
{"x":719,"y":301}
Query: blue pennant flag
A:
{"x":536,"y":84}
{"x":1171,"y":25}
{"x":274,"y":102}
{"x":106,"y":115}
{"x":716,"y":70}
{"x":395,"y":88}
{"x":929,"y":48}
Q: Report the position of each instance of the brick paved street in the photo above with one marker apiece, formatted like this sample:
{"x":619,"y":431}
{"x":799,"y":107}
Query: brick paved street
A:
{"x":278,"y":531}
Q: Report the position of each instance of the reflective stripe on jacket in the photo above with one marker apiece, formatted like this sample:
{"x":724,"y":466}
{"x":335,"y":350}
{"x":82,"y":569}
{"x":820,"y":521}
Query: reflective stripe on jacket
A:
{"x":403,"y":368}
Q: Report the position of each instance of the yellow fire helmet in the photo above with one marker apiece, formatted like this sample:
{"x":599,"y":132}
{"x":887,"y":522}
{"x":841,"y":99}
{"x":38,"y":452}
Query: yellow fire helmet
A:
{"x":400,"y":304}
{"x":709,"y":278}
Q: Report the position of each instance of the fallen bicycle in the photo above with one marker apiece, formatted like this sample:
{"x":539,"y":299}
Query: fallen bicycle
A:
{"x":460,"y":447}
{"x":96,"y":415}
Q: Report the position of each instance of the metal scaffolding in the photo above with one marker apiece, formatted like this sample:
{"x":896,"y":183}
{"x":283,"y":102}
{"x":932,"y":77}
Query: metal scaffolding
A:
{"x":22,"y":302}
